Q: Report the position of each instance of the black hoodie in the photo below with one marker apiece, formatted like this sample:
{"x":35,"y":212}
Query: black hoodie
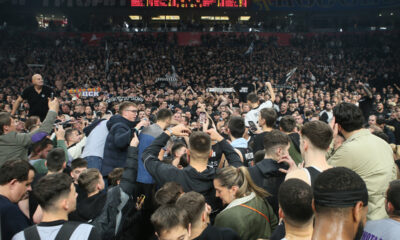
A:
{"x":89,"y":208}
{"x":266,"y":175}
{"x":189,"y":178}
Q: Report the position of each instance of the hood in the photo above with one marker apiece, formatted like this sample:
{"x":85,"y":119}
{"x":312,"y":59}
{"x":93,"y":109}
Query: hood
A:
{"x":203,"y":182}
{"x":87,"y":130}
{"x":91,"y":207}
{"x":240,"y":143}
{"x":119,"y":119}
{"x":270,"y":167}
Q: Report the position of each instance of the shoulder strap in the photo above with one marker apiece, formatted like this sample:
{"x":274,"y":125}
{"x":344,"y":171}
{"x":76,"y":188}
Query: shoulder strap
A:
{"x":31,"y":233}
{"x":255,"y":210}
{"x":67,"y":230}
{"x":222,"y":162}
{"x":313,"y":174}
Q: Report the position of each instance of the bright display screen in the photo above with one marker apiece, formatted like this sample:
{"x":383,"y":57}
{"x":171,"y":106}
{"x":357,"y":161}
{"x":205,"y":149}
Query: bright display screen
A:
{"x":189,"y":3}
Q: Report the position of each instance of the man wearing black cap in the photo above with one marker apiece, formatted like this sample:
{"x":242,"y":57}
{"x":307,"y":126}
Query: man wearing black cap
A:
{"x":340,"y":205}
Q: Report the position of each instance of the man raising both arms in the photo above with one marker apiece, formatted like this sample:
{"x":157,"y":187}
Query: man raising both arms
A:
{"x":253,"y":101}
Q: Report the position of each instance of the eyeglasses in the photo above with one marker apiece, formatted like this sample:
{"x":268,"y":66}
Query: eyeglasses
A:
{"x":134,"y":111}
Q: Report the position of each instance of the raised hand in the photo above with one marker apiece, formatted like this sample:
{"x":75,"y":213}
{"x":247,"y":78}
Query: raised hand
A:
{"x":180,"y":130}
{"x":214,"y":135}
{"x":60,"y":132}
{"x":53,"y":104}
{"x":287,"y":159}
{"x":134,"y":141}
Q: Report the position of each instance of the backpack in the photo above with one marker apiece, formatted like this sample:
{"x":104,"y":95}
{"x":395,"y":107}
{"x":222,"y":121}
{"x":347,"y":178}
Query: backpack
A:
{"x":65,"y":232}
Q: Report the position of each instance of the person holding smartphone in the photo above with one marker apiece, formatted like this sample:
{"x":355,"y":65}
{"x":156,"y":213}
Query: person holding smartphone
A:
{"x":37,"y":96}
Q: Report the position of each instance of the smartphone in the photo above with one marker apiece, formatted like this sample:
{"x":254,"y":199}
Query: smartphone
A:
{"x":202,"y":118}
{"x":52,"y":96}
{"x":253,"y":126}
{"x":141,"y":199}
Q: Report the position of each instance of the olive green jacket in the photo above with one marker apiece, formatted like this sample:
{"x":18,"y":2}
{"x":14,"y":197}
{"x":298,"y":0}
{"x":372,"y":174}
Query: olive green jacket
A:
{"x":371,"y":158}
{"x":15,"y":145}
{"x":249,"y":224}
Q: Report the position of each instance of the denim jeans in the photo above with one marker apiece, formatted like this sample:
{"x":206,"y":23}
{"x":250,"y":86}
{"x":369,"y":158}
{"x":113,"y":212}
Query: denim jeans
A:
{"x":94,"y":162}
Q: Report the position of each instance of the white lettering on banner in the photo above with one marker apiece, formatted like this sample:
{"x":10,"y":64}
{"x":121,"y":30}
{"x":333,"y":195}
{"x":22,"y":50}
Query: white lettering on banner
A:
{"x":90,"y":94}
{"x":123,"y":99}
{"x":244,"y":90}
{"x":221,"y":90}
{"x":167,"y":79}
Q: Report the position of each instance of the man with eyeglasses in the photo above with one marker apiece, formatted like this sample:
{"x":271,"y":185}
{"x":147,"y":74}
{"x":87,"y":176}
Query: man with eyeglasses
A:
{"x":121,"y":129}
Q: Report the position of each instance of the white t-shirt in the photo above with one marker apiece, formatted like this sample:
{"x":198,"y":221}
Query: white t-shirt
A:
{"x":252,"y":115}
{"x":330,"y":114}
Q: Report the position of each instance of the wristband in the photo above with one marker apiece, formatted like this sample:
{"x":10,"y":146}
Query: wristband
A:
{"x":169,"y":130}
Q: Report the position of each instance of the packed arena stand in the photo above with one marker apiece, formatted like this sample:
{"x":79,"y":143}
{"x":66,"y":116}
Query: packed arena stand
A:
{"x":214,"y":141}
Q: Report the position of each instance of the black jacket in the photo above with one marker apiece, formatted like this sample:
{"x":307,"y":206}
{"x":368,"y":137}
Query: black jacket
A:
{"x":117,"y":143}
{"x":89,"y":208}
{"x":106,"y":223}
{"x":216,"y":233}
{"x":189,"y":178}
{"x":266,"y":175}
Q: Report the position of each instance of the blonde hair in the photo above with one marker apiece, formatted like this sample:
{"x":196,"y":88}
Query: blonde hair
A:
{"x":231,"y":176}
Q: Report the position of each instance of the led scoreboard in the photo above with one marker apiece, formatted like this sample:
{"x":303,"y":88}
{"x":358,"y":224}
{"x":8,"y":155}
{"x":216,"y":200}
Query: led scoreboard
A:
{"x":189,"y":3}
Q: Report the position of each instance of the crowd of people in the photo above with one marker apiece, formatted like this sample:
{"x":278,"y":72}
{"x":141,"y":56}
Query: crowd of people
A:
{"x":238,"y":138}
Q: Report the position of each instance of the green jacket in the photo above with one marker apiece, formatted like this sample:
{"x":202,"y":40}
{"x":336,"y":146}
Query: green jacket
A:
{"x":294,"y":154}
{"x":15,"y":145}
{"x":372,"y":159}
{"x":249,"y":224}
{"x":40,"y":165}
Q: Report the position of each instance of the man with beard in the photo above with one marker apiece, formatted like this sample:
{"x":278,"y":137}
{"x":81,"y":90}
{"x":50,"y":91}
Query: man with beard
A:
{"x":380,"y":110}
{"x":366,"y":154}
{"x":16,"y":177}
{"x":328,"y":110}
{"x":340,"y":205}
